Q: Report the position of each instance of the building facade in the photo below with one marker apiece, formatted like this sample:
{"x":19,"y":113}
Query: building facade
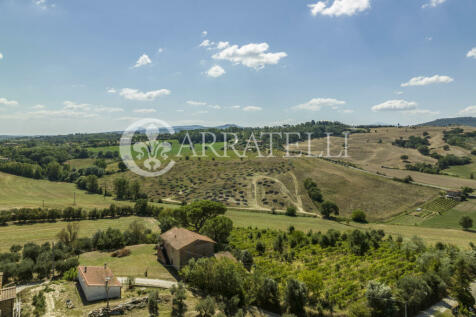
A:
{"x":93,"y":283}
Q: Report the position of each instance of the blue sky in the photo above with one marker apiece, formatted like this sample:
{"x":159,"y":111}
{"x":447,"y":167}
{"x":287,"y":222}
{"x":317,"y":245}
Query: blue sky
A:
{"x":85,"y":66}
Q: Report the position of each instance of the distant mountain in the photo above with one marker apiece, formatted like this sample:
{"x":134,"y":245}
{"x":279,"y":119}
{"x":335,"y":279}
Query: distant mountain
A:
{"x":468,"y":121}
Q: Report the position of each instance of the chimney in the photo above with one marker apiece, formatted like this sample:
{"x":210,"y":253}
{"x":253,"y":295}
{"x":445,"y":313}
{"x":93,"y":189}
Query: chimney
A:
{"x":85,"y":269}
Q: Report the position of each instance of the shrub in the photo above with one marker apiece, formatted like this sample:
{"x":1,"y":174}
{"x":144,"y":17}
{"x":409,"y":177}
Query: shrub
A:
{"x":121,"y":253}
{"x":359,"y":216}
{"x":291,"y":211}
{"x":71,"y":274}
{"x":466,"y":222}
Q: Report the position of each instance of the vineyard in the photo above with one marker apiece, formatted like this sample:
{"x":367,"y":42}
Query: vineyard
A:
{"x":440,"y":205}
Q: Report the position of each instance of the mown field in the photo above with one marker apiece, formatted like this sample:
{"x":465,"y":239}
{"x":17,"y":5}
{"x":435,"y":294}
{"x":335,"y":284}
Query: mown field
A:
{"x":142,"y":258}
{"x":16,"y":192}
{"x":46,"y":232}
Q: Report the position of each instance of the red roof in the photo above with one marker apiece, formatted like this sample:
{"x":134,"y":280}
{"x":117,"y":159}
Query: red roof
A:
{"x":181,"y":237}
{"x":96,"y":276}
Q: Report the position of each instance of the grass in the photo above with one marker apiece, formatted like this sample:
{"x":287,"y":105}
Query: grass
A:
{"x":429,"y":235}
{"x":451,"y":218}
{"x":464,"y":171}
{"x":17,"y":192}
{"x":46,"y":232}
{"x":142,"y":258}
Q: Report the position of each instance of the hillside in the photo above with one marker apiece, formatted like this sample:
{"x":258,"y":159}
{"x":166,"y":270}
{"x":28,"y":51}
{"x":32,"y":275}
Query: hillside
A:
{"x":263,"y":184}
{"x":462,"y":121}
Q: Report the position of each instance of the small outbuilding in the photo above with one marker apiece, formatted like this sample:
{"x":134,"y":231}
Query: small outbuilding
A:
{"x":98,"y":283}
{"x":454,"y":194}
{"x":7,"y":299}
{"x":179,"y":245}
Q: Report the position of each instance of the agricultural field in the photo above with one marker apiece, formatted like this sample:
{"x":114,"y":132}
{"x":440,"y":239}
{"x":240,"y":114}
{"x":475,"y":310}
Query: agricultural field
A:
{"x":264,"y":184}
{"x":46,"y":232}
{"x":17,"y":192}
{"x":141,"y":259}
{"x":280,"y":222}
{"x":450,"y":218}
{"x":375,"y":153}
{"x":464,"y":171}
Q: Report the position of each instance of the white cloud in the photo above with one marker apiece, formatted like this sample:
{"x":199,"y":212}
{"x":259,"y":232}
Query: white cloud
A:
{"x":251,"y":55}
{"x":108,"y":109}
{"x":235,"y":107}
{"x":217,"y":107}
{"x":196,"y":103}
{"x":6,"y":102}
{"x":221,"y":45}
{"x":38,"y":107}
{"x":252,"y":108}
{"x":395,"y":105}
{"x":142,"y":61}
{"x":69,"y":105}
{"x":205,"y":43}
{"x":471,"y":110}
{"x":429,"y":38}
{"x":204,"y":33}
{"x":43,"y":4}
{"x":433,"y":3}
{"x":398,"y":92}
{"x":135,"y":94}
{"x":1,"y":55}
{"x":471,"y":53}
{"x":339,"y":7}
{"x":421,"y":112}
{"x":160,"y":50}
{"x":216,"y":71}
{"x":346,"y":111}
{"x":149,"y":110}
{"x":111,"y":90}
{"x":62,"y":113}
{"x":316,"y":104}
{"x":423,"y":81}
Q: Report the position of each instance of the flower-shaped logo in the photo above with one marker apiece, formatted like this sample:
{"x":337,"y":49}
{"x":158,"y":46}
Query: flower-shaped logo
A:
{"x":146,"y":156}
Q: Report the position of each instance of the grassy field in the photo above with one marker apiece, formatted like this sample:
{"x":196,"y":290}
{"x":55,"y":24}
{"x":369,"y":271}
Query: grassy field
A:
{"x":44,"y":232}
{"x":451,"y":218}
{"x":374,"y":152}
{"x":142,"y":258}
{"x":16,"y":192}
{"x":429,"y":235}
{"x":464,"y":171}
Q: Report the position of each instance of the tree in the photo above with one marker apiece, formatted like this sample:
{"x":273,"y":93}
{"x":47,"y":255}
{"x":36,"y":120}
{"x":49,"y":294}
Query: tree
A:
{"x":465,"y":191}
{"x":199,"y":212}
{"x":134,"y":190}
{"x":466,"y":222}
{"x":247,"y":259}
{"x":92,"y":184}
{"x":69,"y":234}
{"x":291,"y":211}
{"x":379,"y":299}
{"x":295,"y":297}
{"x":152,"y":303}
{"x":218,"y":229}
{"x":178,"y":303}
{"x":267,"y":296}
{"x":101,"y":163}
{"x":404,"y":157}
{"x":54,"y":171}
{"x":121,"y":188}
{"x":328,"y":208}
{"x":260,"y":247}
{"x":358,"y":242}
{"x":122,"y":166}
{"x":206,"y":307}
{"x":461,"y":289}
{"x":359,"y":216}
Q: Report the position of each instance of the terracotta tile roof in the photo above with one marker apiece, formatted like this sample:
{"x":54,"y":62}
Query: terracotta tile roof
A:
{"x":180,"y":237}
{"x":96,"y":276}
{"x":8,"y":293}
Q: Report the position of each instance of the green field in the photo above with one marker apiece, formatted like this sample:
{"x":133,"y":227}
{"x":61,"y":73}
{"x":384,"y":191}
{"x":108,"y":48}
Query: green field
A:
{"x":16,"y":192}
{"x":142,"y":258}
{"x":46,"y":232}
{"x":464,"y":171}
{"x":451,"y":218}
{"x":429,"y":235}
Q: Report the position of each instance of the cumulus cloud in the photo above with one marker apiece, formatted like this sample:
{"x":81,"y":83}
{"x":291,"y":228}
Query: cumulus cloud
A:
{"x":216,"y":71}
{"x":149,"y":110}
{"x":1,"y":55}
{"x":203,"y":104}
{"x":160,"y":50}
{"x":423,"y":81}
{"x":316,"y":104}
{"x":395,"y":105}
{"x":253,"y":55}
{"x":421,"y":112}
{"x":205,"y":43}
{"x":235,"y":107}
{"x":222,"y":45}
{"x":433,"y":3}
{"x":43,"y":4}
{"x":142,"y":61}
{"x":252,"y":108}
{"x":471,"y":53}
{"x":135,"y":94}
{"x":6,"y":102}
{"x":339,"y":7}
{"x":204,"y":33}
{"x":38,"y":107}
{"x":471,"y":110}
{"x":69,"y":105}
{"x":111,"y":90}
{"x":108,"y":109}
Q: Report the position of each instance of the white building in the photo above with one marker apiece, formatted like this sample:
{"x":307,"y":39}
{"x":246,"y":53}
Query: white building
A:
{"x":93,"y":283}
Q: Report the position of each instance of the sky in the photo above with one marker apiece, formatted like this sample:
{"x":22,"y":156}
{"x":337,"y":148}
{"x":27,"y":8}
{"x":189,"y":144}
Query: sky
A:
{"x":93,"y":66}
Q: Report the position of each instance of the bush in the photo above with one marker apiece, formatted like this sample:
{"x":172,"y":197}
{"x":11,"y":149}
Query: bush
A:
{"x":71,"y":274}
{"x":121,"y":253}
{"x":466,"y":222}
{"x":291,"y":211}
{"x":359,"y":216}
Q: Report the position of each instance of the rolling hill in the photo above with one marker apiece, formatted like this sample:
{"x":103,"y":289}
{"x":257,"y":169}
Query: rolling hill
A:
{"x":466,"y":121}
